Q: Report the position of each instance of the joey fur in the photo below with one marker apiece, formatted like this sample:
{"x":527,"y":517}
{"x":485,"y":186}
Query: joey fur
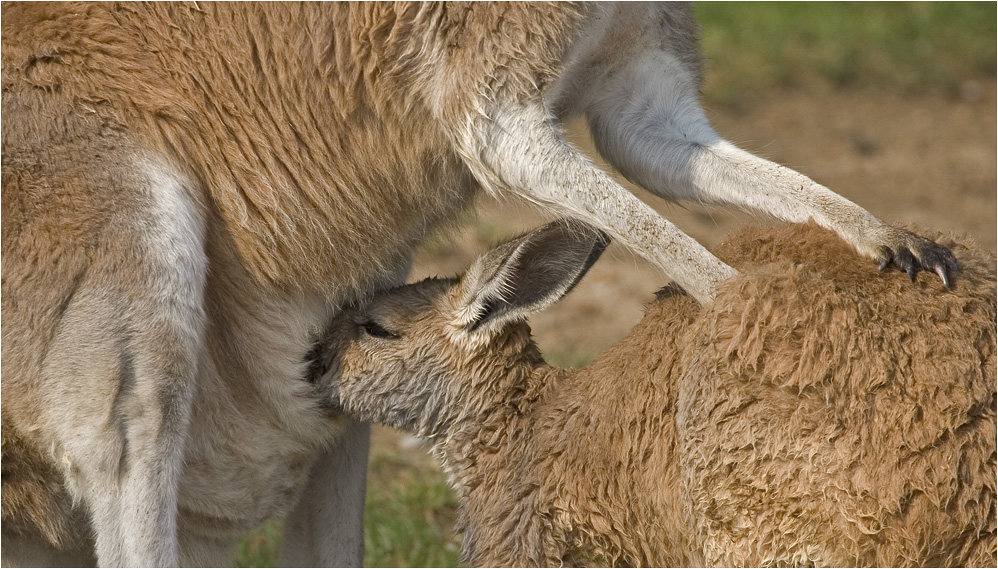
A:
{"x":819,"y":412}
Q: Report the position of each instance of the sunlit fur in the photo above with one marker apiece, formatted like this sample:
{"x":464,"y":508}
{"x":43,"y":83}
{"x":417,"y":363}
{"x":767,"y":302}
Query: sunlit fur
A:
{"x":819,"y":412}
{"x":191,"y":191}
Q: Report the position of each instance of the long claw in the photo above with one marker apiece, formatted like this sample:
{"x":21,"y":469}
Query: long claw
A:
{"x":944,"y":275}
{"x":939,"y":258}
{"x":886,"y":256}
{"x":906,"y":262}
{"x":911,"y":254}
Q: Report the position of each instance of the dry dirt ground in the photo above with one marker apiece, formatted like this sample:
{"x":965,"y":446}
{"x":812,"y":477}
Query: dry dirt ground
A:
{"x":928,"y":160}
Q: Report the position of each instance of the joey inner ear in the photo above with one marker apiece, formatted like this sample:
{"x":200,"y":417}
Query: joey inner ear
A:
{"x":532,"y":281}
{"x":532,"y":271}
{"x":566,"y":268}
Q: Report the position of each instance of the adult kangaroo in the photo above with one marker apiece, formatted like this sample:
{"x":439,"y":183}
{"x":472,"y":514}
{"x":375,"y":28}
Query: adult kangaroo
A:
{"x":192,"y":191}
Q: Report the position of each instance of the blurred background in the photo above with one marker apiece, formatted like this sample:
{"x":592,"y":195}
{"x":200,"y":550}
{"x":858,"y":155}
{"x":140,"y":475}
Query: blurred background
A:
{"x":891,"y":105}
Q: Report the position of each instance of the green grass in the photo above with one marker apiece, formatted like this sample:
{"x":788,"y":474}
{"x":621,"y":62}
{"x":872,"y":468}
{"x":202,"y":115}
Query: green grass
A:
{"x":408,"y":518}
{"x":897,"y":46}
{"x":261,"y":546}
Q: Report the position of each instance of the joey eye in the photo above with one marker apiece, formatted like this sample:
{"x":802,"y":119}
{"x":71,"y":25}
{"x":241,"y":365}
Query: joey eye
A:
{"x":376,"y":330}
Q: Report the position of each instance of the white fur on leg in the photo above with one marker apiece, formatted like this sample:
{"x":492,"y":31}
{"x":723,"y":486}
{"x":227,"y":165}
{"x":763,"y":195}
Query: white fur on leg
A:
{"x":646,"y":120}
{"x":520,"y":150}
{"x":119,"y":374}
{"x":326,"y":528}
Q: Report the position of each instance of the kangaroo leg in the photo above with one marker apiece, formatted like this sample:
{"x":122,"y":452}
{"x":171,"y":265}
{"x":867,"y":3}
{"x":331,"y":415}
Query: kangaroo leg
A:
{"x":150,"y":326}
{"x":326,"y":528}
{"x":131,"y":484}
{"x":646,"y":121}
{"x":105,"y":302}
{"x":520,"y":150}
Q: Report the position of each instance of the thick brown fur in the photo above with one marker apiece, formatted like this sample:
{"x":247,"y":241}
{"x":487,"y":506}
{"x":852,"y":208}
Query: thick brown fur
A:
{"x":274,"y":168}
{"x":820,"y":412}
{"x":836,"y":415}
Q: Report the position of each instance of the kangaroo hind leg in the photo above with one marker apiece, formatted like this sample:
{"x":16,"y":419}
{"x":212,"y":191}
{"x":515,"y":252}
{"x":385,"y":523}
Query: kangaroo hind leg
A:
{"x":106,"y":300}
{"x":646,"y":120}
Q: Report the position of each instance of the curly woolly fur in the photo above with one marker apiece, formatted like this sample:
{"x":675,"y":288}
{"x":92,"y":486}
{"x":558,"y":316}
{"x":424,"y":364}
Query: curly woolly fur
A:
{"x":818,"y":412}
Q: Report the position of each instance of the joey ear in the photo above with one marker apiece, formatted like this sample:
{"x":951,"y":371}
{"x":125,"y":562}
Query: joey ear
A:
{"x":528,"y":273}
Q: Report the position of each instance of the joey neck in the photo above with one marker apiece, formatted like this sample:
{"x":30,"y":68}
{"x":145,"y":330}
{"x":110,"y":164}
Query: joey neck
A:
{"x":498,"y":395}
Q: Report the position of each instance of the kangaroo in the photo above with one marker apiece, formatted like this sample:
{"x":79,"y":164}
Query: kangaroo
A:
{"x":191,"y":191}
{"x":809,"y":416}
